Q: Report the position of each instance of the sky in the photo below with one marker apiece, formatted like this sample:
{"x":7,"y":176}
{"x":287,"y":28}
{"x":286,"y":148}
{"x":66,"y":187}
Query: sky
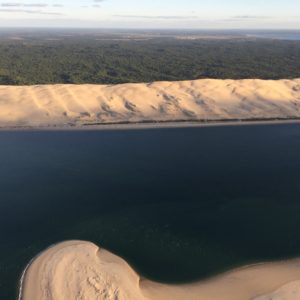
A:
{"x":188,"y":14}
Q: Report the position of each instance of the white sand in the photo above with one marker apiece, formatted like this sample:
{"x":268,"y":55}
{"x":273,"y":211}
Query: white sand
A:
{"x":79,"y":270}
{"x":63,"y":105}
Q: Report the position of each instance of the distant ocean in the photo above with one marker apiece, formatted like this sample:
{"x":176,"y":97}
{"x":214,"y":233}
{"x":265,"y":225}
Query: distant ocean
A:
{"x":278,"y":35}
{"x":292,"y":35}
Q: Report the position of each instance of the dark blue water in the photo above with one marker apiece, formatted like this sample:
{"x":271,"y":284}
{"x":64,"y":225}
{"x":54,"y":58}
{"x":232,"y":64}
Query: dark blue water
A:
{"x":178,"y":204}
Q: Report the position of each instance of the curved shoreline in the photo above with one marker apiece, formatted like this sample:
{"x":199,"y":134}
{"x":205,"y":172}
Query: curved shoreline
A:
{"x":82,"y":268}
{"x":21,"y":281}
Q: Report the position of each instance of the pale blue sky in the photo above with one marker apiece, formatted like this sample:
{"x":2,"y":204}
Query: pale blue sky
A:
{"x":198,"y":14}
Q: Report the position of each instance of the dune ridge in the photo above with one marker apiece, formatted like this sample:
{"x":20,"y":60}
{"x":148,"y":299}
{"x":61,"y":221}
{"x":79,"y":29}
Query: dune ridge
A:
{"x":83,"y":271}
{"x":196,"y":100}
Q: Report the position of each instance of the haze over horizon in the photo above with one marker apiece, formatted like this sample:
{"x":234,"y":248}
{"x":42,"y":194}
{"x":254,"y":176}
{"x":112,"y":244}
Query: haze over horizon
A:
{"x":191,"y":14}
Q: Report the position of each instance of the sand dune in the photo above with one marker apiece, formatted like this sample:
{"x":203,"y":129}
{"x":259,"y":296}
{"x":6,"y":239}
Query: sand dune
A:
{"x":48,"y":105}
{"x":81,"y":270}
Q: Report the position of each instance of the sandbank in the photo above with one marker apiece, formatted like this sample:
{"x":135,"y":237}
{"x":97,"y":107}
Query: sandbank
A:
{"x":82,"y":270}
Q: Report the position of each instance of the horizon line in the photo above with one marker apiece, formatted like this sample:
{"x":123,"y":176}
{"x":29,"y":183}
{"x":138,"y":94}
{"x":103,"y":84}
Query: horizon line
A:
{"x":148,"y":28}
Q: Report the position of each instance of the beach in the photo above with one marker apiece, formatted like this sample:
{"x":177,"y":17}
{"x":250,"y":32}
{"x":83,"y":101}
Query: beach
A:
{"x":82,"y":270}
{"x":200,"y":101}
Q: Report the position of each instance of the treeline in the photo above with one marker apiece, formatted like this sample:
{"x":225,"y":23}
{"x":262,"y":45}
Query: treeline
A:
{"x":86,"y":60}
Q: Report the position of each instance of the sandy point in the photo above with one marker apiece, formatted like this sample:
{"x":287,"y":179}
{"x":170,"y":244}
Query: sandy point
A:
{"x":82,"y":270}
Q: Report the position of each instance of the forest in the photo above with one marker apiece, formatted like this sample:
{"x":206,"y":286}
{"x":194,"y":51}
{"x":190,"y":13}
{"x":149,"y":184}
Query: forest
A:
{"x":85,"y":59}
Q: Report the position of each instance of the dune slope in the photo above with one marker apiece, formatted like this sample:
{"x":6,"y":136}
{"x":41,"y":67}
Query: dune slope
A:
{"x":207,"y":99}
{"x":81,"y":270}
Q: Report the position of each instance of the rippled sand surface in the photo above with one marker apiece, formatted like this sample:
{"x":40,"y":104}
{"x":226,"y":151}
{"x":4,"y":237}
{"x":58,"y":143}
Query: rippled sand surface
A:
{"x":206,"y":99}
{"x":82,"y":270}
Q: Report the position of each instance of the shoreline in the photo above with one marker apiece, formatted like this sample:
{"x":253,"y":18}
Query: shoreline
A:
{"x":95,"y":273}
{"x":153,"y":125}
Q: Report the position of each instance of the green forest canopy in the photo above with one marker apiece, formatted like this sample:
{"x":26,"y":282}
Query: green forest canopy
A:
{"x":80,"y":59}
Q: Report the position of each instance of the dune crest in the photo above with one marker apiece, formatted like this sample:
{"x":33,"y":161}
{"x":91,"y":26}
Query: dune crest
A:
{"x":198,"y":100}
{"x":81,"y":270}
